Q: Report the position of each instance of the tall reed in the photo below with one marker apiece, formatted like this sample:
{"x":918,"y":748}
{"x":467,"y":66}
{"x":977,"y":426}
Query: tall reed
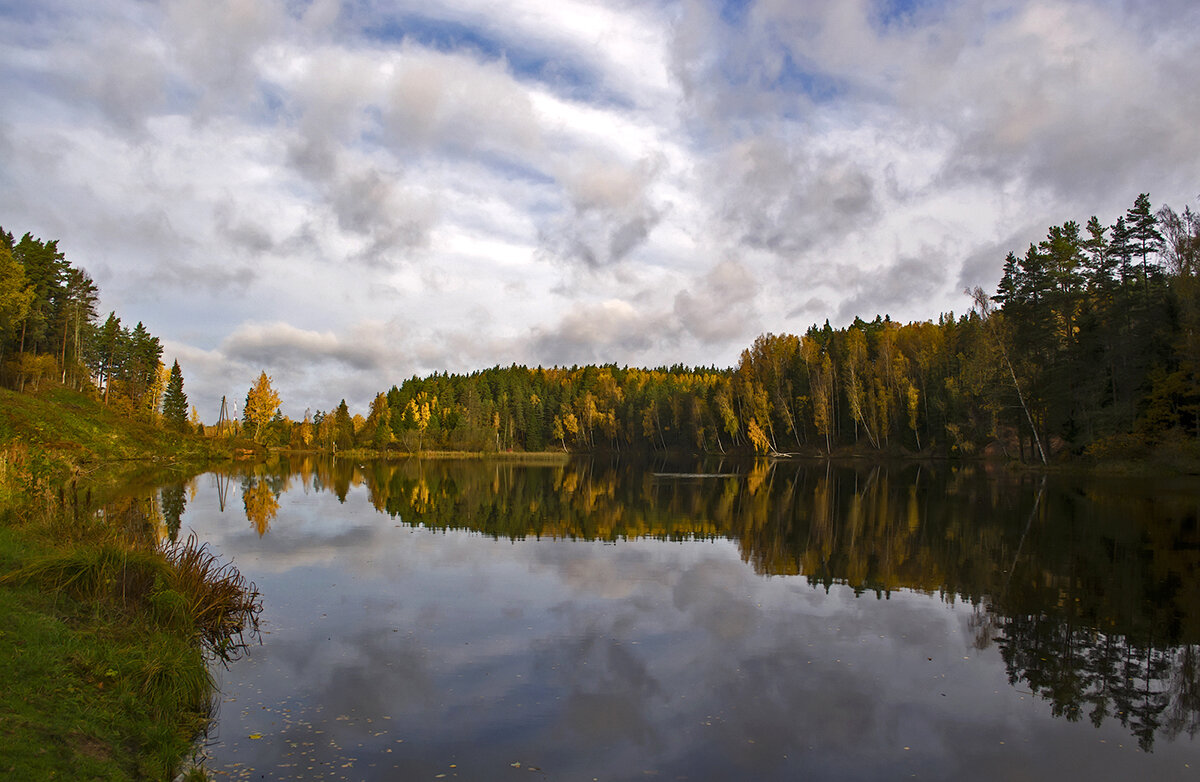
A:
{"x":222,"y":605}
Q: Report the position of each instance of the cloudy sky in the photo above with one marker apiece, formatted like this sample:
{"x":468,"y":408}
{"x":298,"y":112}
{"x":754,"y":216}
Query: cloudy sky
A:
{"x":349,"y":193}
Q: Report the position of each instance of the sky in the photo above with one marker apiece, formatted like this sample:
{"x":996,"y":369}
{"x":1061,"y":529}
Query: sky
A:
{"x":347,"y":194}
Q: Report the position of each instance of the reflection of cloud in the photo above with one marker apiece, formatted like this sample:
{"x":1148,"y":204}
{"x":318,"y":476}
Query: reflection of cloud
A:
{"x":603,"y":660}
{"x":707,"y":592}
{"x":609,"y":689}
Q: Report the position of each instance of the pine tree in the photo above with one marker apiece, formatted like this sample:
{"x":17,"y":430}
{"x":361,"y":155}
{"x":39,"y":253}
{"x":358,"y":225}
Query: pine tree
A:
{"x":174,"y":403}
{"x":1121,"y":248}
{"x":1010,"y":283}
{"x":1143,"y":232}
{"x":1100,"y":260}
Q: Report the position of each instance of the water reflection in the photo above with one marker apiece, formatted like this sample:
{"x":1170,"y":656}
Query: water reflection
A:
{"x":1086,"y":591}
{"x":1089,"y":591}
{"x":261,"y":502}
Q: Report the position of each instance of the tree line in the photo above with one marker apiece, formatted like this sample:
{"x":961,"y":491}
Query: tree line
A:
{"x":1090,"y":344}
{"x":50,"y":331}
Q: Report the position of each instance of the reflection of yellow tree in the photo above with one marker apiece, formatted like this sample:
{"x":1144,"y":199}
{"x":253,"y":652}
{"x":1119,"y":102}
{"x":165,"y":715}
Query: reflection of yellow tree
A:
{"x":419,"y":498}
{"x":261,"y":506}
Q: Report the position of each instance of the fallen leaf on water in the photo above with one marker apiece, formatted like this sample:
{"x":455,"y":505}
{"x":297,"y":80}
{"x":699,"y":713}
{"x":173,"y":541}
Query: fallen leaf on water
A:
{"x":256,"y":735}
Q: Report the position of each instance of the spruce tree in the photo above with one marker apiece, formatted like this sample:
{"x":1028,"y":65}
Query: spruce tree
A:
{"x":343,"y":426}
{"x":174,"y":404}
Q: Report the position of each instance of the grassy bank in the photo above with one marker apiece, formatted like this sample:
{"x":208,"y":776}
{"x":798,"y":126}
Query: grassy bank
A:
{"x":107,"y":633}
{"x":524,"y":457}
{"x":48,"y":440}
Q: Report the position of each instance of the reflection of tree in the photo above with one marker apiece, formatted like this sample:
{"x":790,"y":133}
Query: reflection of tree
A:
{"x":1091,"y":592}
{"x":173,"y":504}
{"x":1183,"y":713}
{"x":1148,"y":689}
{"x":261,"y":504}
{"x":138,"y":519}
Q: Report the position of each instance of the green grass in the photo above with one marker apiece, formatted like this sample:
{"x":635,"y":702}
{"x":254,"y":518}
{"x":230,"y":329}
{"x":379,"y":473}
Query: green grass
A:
{"x":59,"y":439}
{"x":106,"y":637}
{"x":93,"y":687}
{"x":73,"y":423}
{"x":109,"y":647}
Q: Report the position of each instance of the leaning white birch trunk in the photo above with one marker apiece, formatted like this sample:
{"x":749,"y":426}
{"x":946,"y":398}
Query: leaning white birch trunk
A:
{"x":985,"y":312}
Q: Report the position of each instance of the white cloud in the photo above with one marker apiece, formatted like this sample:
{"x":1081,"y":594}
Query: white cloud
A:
{"x":348,"y":194}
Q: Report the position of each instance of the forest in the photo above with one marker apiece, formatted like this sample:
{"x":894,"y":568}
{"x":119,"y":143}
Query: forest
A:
{"x":1089,"y":346}
{"x":50,"y":332}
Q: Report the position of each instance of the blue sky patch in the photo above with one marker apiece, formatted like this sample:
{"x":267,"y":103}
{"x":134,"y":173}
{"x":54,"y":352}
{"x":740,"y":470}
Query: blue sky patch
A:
{"x":891,"y":14}
{"x":734,"y":12}
{"x":563,"y":76}
{"x":798,"y":77}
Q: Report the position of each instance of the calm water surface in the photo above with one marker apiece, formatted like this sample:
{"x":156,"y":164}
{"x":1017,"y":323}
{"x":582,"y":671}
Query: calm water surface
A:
{"x":785,"y":621}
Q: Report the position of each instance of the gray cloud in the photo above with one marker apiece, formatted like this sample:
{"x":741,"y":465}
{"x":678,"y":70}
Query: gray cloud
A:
{"x":286,"y":346}
{"x":216,"y":42}
{"x":815,"y":307}
{"x":597,"y":333}
{"x":370,"y":204}
{"x":895,"y":288}
{"x":721,"y":304}
{"x":777,"y":197}
{"x":314,"y":156}
{"x":451,"y":102}
{"x":983,"y":266}
{"x":1074,"y":93}
{"x":611,"y":212}
{"x":125,"y":79}
{"x":427,"y":103}
{"x":253,"y":238}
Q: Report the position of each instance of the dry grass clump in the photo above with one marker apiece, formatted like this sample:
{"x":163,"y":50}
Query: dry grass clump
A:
{"x":221,"y":604}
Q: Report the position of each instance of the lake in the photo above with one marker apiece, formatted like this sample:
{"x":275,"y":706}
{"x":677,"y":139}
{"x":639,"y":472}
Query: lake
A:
{"x":788,"y":620}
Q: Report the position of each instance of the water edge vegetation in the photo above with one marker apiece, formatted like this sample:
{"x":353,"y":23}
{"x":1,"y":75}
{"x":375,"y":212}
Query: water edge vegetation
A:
{"x":1088,"y":352}
{"x":110,"y":626}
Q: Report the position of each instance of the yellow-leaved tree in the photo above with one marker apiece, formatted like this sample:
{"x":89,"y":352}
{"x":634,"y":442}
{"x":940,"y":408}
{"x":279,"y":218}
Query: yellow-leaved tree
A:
{"x":262,"y":402}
